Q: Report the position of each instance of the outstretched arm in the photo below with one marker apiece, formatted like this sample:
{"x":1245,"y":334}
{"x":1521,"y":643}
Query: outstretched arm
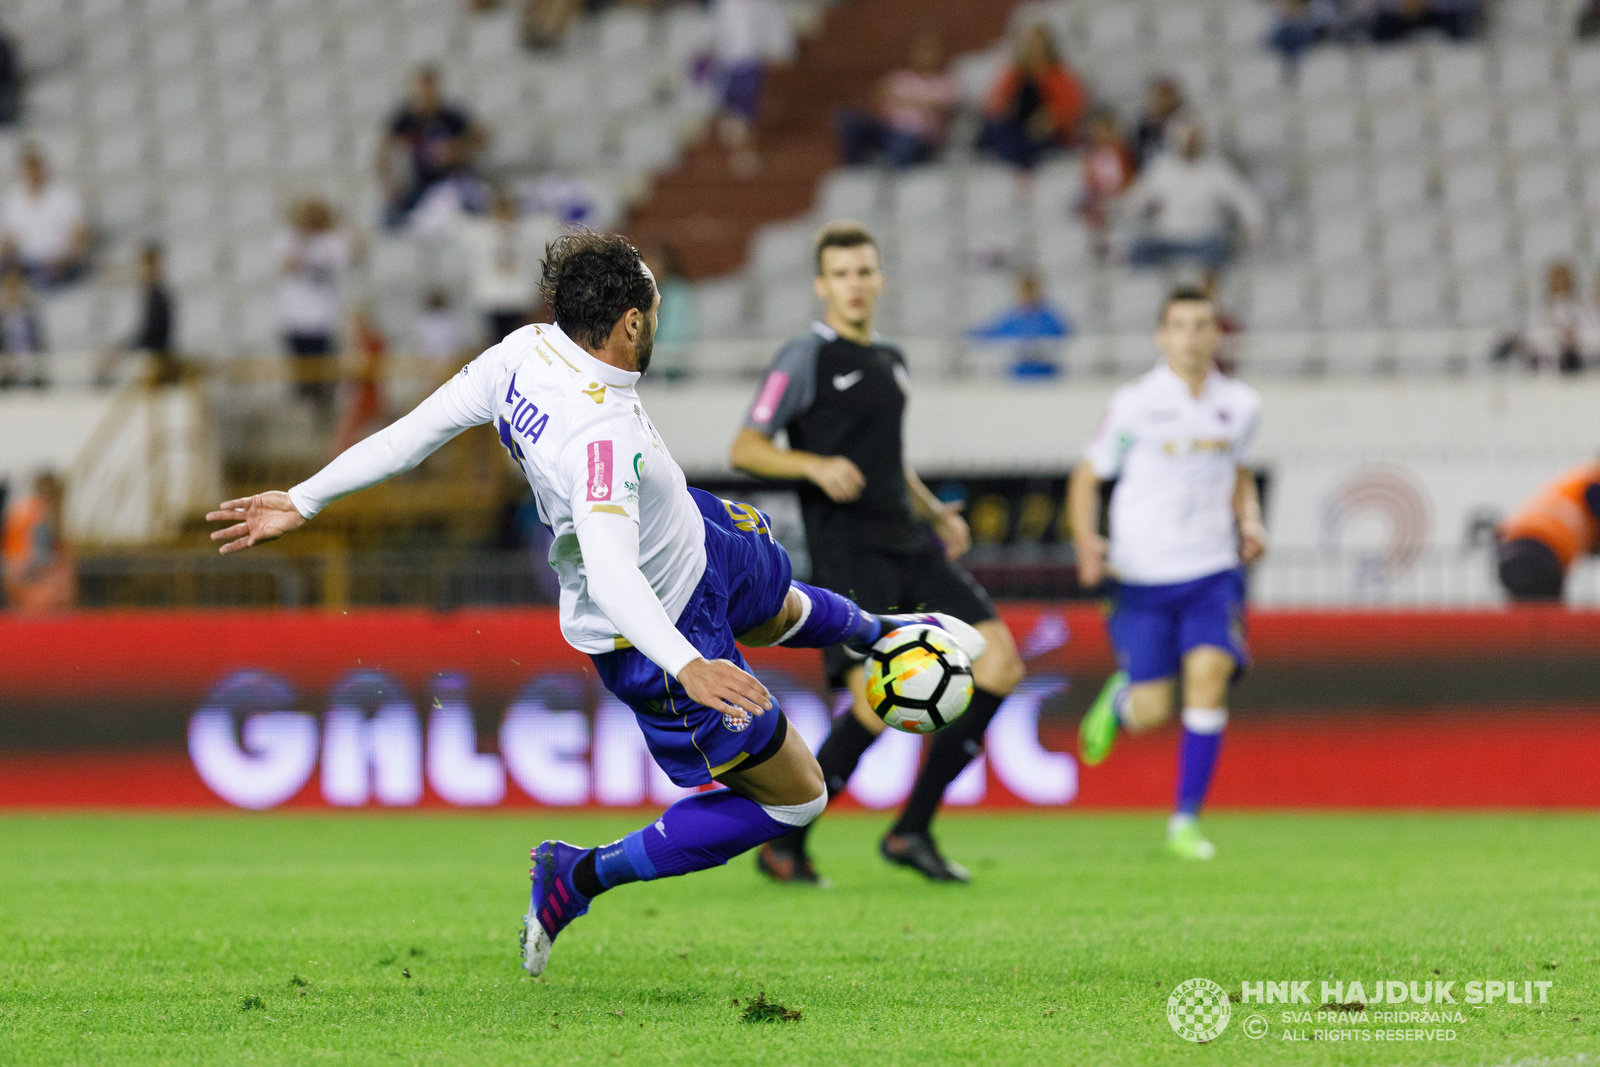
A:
{"x":453,"y":407}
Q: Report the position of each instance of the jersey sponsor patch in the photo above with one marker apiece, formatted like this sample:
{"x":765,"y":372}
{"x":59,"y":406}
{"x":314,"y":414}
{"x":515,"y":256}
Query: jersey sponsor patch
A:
{"x":599,"y":470}
{"x":767,"y":403}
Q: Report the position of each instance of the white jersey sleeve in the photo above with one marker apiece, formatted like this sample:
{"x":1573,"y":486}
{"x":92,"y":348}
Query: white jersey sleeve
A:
{"x":457,"y":405}
{"x":1109,"y":447}
{"x":605,"y":513}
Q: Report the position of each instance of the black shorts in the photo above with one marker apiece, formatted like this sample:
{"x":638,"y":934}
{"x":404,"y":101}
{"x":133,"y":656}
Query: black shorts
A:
{"x":890,"y":582}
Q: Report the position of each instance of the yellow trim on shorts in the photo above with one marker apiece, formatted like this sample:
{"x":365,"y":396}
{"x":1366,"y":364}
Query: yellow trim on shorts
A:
{"x":730,"y":765}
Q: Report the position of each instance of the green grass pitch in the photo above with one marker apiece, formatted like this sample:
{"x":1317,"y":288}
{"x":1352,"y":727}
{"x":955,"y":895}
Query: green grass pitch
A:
{"x":392,"y":939}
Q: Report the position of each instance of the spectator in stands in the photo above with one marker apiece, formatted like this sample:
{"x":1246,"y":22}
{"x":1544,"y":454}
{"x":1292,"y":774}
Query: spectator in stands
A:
{"x":747,"y":36}
{"x":545,"y":22}
{"x":154,"y":334}
{"x":677,"y":324}
{"x":1302,"y":24}
{"x":39,"y":572}
{"x":1589,"y":20}
{"x":1035,"y":105}
{"x":913,"y":112}
{"x":439,"y":141}
{"x":1107,"y":170}
{"x":45,"y":231}
{"x":313,"y":256}
{"x":1561,"y":331}
{"x":361,"y":395}
{"x":437,"y":333}
{"x":1164,"y":104}
{"x":1192,"y":206}
{"x":22,"y":340}
{"x":11,"y":80}
{"x":1399,"y":20}
{"x":503,"y":251}
{"x":1036,"y":326}
{"x":1540,"y":541}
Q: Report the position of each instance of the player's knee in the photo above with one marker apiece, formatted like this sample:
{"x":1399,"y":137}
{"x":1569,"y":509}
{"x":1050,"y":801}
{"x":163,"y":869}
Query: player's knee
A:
{"x":798,"y":814}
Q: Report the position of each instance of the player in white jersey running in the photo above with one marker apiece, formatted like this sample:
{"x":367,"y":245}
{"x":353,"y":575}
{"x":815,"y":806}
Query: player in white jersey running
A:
{"x":1185,"y":518}
{"x":657,"y":580}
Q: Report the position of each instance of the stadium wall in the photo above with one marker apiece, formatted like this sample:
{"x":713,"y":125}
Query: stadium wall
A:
{"x":405,"y":709}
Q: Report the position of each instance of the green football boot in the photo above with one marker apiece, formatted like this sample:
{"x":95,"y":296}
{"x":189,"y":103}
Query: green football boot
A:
{"x":1184,"y":841}
{"x":1098,"y":730}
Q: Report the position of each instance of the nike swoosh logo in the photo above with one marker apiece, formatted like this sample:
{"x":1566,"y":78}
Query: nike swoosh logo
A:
{"x":842,"y":382}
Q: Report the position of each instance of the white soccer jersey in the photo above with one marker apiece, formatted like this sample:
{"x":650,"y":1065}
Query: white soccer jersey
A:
{"x":1175,"y":457}
{"x":580,"y":434}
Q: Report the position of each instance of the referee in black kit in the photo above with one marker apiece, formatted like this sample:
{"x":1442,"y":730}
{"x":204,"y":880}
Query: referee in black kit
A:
{"x":840,"y":393}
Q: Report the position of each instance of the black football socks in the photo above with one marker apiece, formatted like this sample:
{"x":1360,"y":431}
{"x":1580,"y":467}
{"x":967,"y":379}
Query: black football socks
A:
{"x":953,"y":748}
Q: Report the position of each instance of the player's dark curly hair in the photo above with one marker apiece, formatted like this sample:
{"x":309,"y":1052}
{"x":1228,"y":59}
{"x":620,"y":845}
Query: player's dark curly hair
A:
{"x":590,"y":280}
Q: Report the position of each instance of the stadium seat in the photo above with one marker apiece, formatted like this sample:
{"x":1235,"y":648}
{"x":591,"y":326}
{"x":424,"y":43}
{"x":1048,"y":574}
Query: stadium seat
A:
{"x":1336,"y":186}
{"x":1338,"y":238}
{"x":1265,"y":129}
{"x":786,"y":309}
{"x":1246,"y":23}
{"x":784,"y":248}
{"x":1136,"y":300}
{"x":1409,"y":235}
{"x":1345,"y":300}
{"x":1399,"y":126}
{"x":1537,"y":184}
{"x":68,"y":318}
{"x":722,"y":305}
{"x":191,"y":205}
{"x":924,"y":193}
{"x":1399,"y":183}
{"x":1487,"y":297}
{"x":1477,"y":238}
{"x":1583,"y":71}
{"x":1111,"y":26}
{"x":1524,"y":69}
{"x":1457,"y":72}
{"x":624,"y":32}
{"x":1466,"y":128}
{"x":1326,"y":75}
{"x":1470,"y":184}
{"x":1535,"y":127}
{"x":991,"y":189}
{"x":1254,"y":76}
{"x":1417,"y":296}
{"x":1391,"y":73}
{"x":853,"y":193}
{"x":1181,"y":26}
{"x":1548,"y":235}
{"x":1426,"y":351}
{"x":1279,"y":300}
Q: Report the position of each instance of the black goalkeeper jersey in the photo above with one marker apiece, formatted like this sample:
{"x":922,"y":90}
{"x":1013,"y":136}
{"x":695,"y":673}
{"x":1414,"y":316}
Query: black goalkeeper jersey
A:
{"x":838,"y":398}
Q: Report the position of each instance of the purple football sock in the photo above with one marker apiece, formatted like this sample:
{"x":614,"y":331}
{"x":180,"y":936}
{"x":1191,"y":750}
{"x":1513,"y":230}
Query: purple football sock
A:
{"x":831,"y":620}
{"x":1197,"y":756}
{"x":699,"y":831}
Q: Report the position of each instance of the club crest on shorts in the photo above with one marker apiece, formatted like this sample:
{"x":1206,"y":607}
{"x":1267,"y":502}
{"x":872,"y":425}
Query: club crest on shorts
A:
{"x":735,"y":725}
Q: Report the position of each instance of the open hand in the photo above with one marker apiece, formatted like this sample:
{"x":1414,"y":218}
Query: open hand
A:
{"x":1252,"y":541}
{"x":952,"y":529}
{"x":841,"y":479}
{"x":720,"y":685}
{"x":1091,"y":560}
{"x":263,"y":517}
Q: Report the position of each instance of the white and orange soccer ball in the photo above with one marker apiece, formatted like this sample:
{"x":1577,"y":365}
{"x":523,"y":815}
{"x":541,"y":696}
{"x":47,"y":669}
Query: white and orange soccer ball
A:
{"x":918,"y":679}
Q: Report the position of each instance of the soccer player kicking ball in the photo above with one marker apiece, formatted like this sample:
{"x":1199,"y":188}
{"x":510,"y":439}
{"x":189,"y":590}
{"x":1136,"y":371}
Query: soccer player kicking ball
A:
{"x":840,"y":393}
{"x":1185,"y":516}
{"x":657,"y":580}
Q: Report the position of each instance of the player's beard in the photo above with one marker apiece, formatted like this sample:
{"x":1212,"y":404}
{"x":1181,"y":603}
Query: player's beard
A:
{"x":644,"y":348}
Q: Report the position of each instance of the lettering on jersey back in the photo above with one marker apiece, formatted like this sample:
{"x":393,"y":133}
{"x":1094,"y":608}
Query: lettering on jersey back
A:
{"x":525,"y":419}
{"x":599,"y":470}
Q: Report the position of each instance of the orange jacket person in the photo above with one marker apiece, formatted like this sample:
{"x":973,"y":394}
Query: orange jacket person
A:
{"x":39,"y":573}
{"x":1542,"y":537}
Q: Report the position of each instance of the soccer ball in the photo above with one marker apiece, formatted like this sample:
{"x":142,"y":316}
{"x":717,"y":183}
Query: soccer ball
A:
{"x":918,"y":679}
